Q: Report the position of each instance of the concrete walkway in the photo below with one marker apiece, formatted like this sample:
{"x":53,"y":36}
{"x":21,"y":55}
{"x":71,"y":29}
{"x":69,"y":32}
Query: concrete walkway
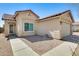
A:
{"x":65,"y":49}
{"x":21,"y":49}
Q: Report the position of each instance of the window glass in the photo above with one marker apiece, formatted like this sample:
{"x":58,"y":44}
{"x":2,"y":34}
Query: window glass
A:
{"x":28,"y":27}
{"x":31,"y":27}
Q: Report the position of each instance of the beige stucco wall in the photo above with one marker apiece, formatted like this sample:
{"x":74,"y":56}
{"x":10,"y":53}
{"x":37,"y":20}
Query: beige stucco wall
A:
{"x":6,"y":28}
{"x":22,"y":18}
{"x":65,"y":29}
{"x":66,"y":26}
{"x":50,"y":27}
{"x":54,"y":28}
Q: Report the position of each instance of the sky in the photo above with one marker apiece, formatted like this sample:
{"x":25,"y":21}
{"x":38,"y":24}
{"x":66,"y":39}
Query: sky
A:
{"x":41,"y":9}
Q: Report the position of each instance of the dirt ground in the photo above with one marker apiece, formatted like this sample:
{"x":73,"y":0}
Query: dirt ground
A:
{"x":5,"y":47}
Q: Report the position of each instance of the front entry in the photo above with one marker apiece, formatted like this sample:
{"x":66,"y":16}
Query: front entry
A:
{"x":11,"y":29}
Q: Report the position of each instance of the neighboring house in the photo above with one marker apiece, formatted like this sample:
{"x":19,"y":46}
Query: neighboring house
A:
{"x":26,"y":22}
{"x":75,"y":26}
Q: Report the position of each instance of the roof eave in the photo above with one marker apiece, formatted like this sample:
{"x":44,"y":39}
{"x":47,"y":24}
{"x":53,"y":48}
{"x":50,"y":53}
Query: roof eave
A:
{"x":27,"y":10}
{"x":60,"y":14}
{"x":71,"y":17}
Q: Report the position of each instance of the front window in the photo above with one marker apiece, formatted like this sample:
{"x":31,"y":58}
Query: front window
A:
{"x":28,"y":26}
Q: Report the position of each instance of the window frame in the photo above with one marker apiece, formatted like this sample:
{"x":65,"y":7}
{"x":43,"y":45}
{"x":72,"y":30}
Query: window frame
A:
{"x":28,"y":27}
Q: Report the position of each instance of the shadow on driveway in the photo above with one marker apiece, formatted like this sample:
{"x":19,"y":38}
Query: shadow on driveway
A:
{"x":71,"y":38}
{"x":36,"y":38}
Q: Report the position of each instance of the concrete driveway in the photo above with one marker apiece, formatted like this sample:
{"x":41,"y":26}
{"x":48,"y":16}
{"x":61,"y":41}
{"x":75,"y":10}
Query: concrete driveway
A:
{"x":52,"y":47}
{"x":20,"y":48}
{"x":74,"y":39}
{"x":67,"y":47}
{"x":42,"y":47}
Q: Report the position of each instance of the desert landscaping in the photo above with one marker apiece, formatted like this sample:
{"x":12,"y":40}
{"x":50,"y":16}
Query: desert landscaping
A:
{"x":23,"y":46}
{"x":43,"y":30}
{"x":5,"y":46}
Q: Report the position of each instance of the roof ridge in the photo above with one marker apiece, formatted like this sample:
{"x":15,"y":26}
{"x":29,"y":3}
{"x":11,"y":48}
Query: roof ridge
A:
{"x":27,"y":10}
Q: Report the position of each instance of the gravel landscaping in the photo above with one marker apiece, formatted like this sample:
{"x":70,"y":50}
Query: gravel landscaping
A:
{"x":5,"y":47}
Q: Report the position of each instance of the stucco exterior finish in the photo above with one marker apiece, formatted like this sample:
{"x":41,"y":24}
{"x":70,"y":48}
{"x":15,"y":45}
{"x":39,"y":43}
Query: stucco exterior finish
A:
{"x":65,"y":29}
{"x":66,"y":25}
{"x":56,"y":26}
{"x":50,"y":27}
{"x":22,"y":18}
{"x":7,"y":27}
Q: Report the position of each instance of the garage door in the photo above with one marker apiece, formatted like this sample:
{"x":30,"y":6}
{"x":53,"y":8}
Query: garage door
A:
{"x":65,"y":29}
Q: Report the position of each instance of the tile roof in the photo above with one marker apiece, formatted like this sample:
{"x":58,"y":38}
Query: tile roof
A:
{"x":58,"y":15}
{"x":7,"y":17}
{"x":27,"y":11}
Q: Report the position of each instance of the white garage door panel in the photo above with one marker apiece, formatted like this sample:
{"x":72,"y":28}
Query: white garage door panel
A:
{"x":65,"y":29}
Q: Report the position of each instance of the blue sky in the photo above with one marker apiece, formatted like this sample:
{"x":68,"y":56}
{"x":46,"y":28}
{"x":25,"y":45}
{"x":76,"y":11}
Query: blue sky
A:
{"x":41,"y":9}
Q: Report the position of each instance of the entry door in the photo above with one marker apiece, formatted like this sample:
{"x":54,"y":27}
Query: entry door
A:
{"x":11,"y":29}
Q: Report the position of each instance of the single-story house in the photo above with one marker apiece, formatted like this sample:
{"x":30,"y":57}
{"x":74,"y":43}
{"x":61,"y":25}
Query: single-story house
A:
{"x":75,"y":27}
{"x":26,"y":22}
